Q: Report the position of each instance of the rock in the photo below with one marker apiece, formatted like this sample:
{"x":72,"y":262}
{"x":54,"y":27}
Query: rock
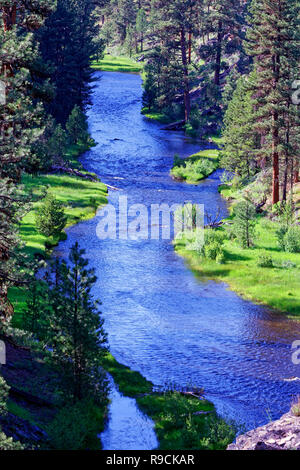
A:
{"x":283,"y":434}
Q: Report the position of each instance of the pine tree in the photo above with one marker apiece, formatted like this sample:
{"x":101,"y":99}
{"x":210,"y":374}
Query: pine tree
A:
{"x":244,"y":222}
{"x":141,"y":26}
{"x":14,"y":265}
{"x":20,"y":116}
{"x":50,"y":217}
{"x":68,"y":44}
{"x":6,"y":443}
{"x":238,"y":152}
{"x":172,"y":24}
{"x":77,"y":126}
{"x":222,"y":23}
{"x":78,"y":334}
{"x":57,"y":144}
{"x":273,"y":42}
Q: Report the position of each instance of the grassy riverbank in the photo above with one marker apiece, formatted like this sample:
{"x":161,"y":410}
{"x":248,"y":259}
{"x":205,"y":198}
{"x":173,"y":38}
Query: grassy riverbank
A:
{"x":117,"y":64}
{"x":277,"y":287}
{"x":195,"y":168}
{"x":157,"y":116}
{"x":80,"y":198}
{"x":181,"y":421}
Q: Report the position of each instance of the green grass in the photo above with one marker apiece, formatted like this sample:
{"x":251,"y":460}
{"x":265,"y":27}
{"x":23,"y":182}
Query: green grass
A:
{"x":117,"y":64}
{"x":157,"y":116}
{"x":196,"y":167}
{"x":277,"y":287}
{"x":80,"y":198}
{"x":130,"y":383}
{"x":21,"y":412}
{"x":179,"y":423}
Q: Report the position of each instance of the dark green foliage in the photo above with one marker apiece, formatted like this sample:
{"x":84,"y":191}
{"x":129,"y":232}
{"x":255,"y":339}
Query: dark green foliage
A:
{"x":50,"y":217}
{"x":78,"y":338}
{"x":57,"y":144}
{"x":37,"y":314}
{"x":265,"y":261}
{"x":6,"y":443}
{"x":244,"y":223}
{"x":76,"y":427}
{"x":291,"y":239}
{"x":273,"y":42}
{"x":238,"y":153}
{"x":14,"y":266}
{"x":77,"y":126}
{"x":67,"y":44}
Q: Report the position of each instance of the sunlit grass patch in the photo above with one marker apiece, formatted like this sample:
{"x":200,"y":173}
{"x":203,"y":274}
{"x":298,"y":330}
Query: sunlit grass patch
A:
{"x":80,"y":198}
{"x":195,"y":168}
{"x":117,"y":64}
{"x":277,"y":286}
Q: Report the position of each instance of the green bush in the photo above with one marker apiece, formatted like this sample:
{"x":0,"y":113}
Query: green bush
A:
{"x":50,"y":217}
{"x":288,"y":264}
{"x":292,"y":239}
{"x":76,"y":427}
{"x":280,"y":234}
{"x":221,"y":258}
{"x":265,"y":261}
{"x":213,"y":248}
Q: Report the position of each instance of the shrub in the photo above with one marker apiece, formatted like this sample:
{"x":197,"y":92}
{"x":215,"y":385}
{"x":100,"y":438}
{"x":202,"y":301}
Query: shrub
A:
{"x":244,"y":223}
{"x":204,"y":166}
{"x":50,"y":217}
{"x":76,"y":427}
{"x":213,"y":248}
{"x":77,"y":126}
{"x":288,"y":264}
{"x":265,"y":261}
{"x":280,"y":234}
{"x":221,"y":258}
{"x":292,"y":239}
{"x":177,"y":161}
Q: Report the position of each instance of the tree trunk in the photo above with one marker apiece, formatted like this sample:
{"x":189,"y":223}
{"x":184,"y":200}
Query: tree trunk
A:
{"x":142,"y":41}
{"x":296,"y":175}
{"x":219,"y":54}
{"x":9,"y":15}
{"x":275,"y":157}
{"x":187,"y":101}
{"x":190,"y":47}
{"x":286,"y":167}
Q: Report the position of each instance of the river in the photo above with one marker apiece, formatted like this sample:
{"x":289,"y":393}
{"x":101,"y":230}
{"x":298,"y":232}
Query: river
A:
{"x":161,"y":320}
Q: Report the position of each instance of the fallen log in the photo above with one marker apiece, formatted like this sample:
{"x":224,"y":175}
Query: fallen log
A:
{"x":174,"y":126}
{"x":72,"y":172}
{"x":214,"y":225}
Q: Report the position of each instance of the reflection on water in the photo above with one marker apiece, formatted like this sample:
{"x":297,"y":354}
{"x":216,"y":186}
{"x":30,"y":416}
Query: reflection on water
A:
{"x":160,"y":319}
{"x":128,"y":428}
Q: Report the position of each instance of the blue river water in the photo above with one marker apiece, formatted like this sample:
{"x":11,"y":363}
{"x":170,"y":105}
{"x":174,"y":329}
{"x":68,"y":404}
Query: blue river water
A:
{"x":161,"y":320}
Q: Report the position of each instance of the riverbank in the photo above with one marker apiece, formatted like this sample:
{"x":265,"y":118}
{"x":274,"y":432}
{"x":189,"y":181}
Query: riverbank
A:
{"x":112,"y":63}
{"x":35,"y":415}
{"x":183,"y":420}
{"x":80,"y":198}
{"x":195,"y":168}
{"x":276,"y":286}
